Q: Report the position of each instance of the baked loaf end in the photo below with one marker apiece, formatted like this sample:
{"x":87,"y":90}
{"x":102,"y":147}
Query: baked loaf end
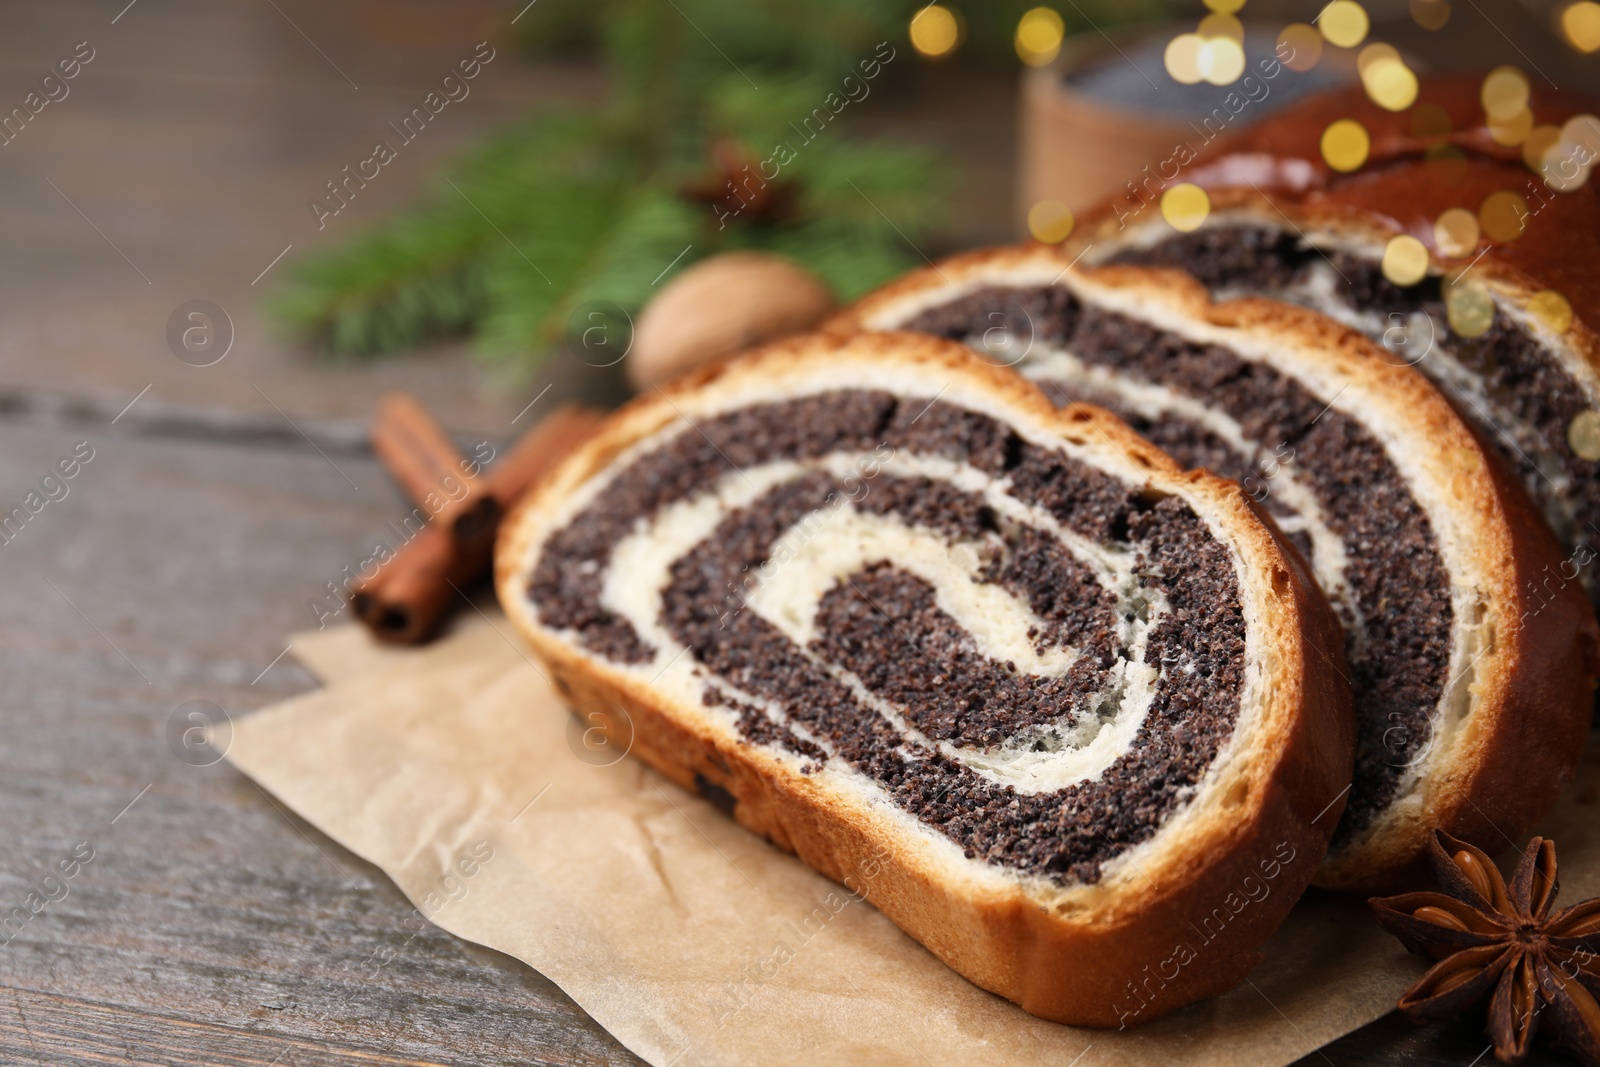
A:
{"x":1072,"y":718}
{"x":1284,"y":224}
{"x":1472,"y":653}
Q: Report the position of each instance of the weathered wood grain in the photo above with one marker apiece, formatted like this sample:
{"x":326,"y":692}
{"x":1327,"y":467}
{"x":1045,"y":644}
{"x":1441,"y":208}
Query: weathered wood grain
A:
{"x":210,"y":926}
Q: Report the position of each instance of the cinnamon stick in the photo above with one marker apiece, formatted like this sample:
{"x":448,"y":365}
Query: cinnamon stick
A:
{"x":412,"y":594}
{"x":414,"y":447}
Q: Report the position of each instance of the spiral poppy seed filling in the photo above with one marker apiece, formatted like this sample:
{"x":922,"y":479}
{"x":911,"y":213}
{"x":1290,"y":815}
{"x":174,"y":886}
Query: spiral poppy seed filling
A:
{"x":1325,"y":478}
{"x":1034,"y":657}
{"x":1504,"y":381}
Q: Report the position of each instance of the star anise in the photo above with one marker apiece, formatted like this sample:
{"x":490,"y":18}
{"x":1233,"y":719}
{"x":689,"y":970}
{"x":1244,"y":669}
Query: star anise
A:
{"x":1540,"y":972}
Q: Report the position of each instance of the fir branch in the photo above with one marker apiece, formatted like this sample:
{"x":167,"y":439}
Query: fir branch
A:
{"x":567,"y":209}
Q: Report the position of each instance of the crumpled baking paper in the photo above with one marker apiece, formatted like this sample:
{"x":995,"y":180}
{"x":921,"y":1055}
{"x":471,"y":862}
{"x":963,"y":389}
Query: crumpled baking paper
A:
{"x":457,"y":770}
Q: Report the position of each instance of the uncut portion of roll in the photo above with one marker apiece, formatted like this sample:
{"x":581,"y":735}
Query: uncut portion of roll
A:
{"x":1472,"y":686}
{"x":887,"y":604}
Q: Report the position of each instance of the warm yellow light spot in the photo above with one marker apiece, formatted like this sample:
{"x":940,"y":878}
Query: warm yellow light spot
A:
{"x":1580,"y":25}
{"x":1220,"y":25}
{"x":1430,"y":120}
{"x":1221,"y":60}
{"x":1566,"y":166}
{"x":1551,"y":310}
{"x":1512,"y":130}
{"x":1185,"y":207}
{"x":1583,"y":131}
{"x":1563,"y":173}
{"x":1430,"y":14}
{"x":1468,"y":309}
{"x":1183,"y":58}
{"x":1405,"y":260}
{"x":1372,"y":53}
{"x":1583,"y":434}
{"x":1455,"y":233}
{"x":1344,"y":23}
{"x":1503,"y":216}
{"x":1050,"y":221}
{"x":1300,"y":45}
{"x":1224,"y":7}
{"x":1039,"y":35}
{"x":1345,"y":145}
{"x":1389,"y":82}
{"x":1504,"y":94}
{"x":935,"y":31}
{"x":1540,"y":139}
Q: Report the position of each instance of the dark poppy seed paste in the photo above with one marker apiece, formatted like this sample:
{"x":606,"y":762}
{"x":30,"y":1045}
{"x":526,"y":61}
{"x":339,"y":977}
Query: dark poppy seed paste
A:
{"x":1316,"y":469}
{"x":1030,"y":655}
{"x":1504,"y":381}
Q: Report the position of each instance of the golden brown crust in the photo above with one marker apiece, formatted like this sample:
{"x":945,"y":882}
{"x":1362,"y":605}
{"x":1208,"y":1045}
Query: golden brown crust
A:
{"x":1535,"y":687}
{"x":1522,"y":760}
{"x":1531,"y":686}
{"x":1122,"y":952}
{"x":1274,"y":172}
{"x":1510,"y":280}
{"x":1404,"y":184}
{"x":1403,"y":187}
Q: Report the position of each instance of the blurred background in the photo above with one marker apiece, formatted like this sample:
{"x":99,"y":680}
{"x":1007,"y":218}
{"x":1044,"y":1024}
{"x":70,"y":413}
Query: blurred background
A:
{"x":286,"y":163}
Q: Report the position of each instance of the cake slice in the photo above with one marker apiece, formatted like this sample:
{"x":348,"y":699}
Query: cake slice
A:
{"x":1502,"y":320}
{"x":1472,"y":683}
{"x":1074,"y":719}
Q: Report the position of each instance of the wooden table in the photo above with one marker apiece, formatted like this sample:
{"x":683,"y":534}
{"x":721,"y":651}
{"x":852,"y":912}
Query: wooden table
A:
{"x":211,"y":926}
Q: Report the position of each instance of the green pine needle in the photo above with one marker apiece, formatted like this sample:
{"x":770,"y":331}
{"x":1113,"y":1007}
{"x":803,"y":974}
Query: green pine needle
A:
{"x":548,"y":218}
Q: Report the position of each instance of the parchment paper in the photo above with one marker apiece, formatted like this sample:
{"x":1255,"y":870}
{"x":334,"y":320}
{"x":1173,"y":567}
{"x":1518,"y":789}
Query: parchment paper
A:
{"x":688,"y":938}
